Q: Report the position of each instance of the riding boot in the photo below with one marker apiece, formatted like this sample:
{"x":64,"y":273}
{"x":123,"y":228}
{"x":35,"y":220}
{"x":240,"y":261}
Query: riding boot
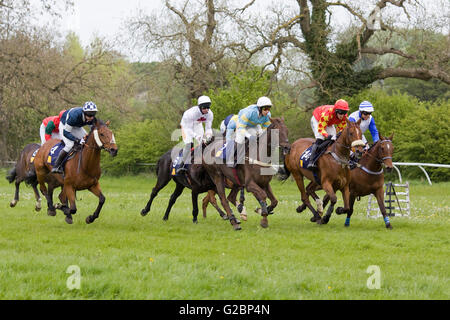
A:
{"x":185,"y":156}
{"x":312,"y":162}
{"x":58,"y":167}
{"x":240,"y":154}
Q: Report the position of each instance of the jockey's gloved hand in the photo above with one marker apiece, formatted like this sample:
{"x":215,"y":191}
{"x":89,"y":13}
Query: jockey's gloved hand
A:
{"x":82,"y":141}
{"x":329,"y":137}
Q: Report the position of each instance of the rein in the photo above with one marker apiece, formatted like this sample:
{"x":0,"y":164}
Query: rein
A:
{"x":380,"y":161}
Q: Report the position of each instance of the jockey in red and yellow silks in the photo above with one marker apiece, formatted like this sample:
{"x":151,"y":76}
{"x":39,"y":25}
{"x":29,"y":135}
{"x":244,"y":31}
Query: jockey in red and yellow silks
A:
{"x":326,"y":117}
{"x":322,"y":123}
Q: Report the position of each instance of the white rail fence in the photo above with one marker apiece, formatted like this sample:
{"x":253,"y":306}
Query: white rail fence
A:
{"x":420,"y":165}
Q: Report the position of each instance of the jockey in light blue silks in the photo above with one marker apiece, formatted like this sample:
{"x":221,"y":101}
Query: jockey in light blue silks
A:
{"x":249,"y":123}
{"x":367,"y":122}
{"x":71,"y":125}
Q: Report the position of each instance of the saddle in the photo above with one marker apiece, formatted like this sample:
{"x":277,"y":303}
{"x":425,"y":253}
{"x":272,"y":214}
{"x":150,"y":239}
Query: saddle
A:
{"x":305,"y":158}
{"x":55,"y":151}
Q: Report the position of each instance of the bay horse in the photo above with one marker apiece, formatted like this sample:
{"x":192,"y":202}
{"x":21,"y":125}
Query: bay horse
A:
{"x":333,"y":169}
{"x":194,"y":178}
{"x":81,"y":172}
{"x":24,"y":171}
{"x":249,"y":174}
{"x":368,"y":177}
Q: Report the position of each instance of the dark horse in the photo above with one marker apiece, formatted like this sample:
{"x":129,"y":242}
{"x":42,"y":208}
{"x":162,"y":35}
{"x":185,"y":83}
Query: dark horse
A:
{"x":333,"y":169}
{"x":368,"y":178}
{"x":211,"y":198}
{"x":249,"y":174}
{"x":195,"y":178}
{"x":81,"y":172}
{"x":24,"y":171}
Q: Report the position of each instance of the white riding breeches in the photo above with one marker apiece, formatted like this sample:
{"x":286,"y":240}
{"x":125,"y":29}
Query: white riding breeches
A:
{"x":55,"y":135}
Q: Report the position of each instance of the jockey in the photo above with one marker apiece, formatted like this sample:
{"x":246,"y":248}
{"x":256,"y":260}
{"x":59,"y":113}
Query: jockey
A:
{"x":322,"y":123}
{"x":249,"y":123}
{"x":224,"y":123}
{"x":367,"y":122}
{"x":192,"y":127}
{"x":50,"y":128}
{"x":72,"y":123}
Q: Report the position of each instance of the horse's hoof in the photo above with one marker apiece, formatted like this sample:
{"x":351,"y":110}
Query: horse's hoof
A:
{"x":237,"y":227}
{"x":165,"y":218}
{"x":143,"y":212}
{"x":340,"y":210}
{"x":346,"y":225}
{"x":51,"y":213}
{"x":12,"y":204}
{"x":225,"y":217}
{"x":195,"y":221}
{"x":89,"y":219}
{"x":388,"y":226}
{"x":314,"y":219}
{"x":58,"y":206}
{"x":264,"y":224}
{"x":37,"y":208}
{"x":258,"y":211}
{"x":69,"y":220}
{"x":301,"y":208}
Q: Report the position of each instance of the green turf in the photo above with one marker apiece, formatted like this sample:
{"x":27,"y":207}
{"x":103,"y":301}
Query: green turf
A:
{"x":123,"y":255}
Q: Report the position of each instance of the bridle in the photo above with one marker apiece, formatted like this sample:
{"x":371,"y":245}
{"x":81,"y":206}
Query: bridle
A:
{"x":380,"y":160}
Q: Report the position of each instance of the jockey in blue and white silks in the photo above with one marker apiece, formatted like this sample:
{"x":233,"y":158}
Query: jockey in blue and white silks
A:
{"x":250,"y":122}
{"x":367,"y":122}
{"x":71,"y":125}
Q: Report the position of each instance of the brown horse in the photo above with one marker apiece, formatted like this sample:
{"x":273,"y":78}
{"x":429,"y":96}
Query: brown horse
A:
{"x":333,"y":168}
{"x":81,"y":172}
{"x":249,"y":174}
{"x":24,"y":171}
{"x":368,"y":178}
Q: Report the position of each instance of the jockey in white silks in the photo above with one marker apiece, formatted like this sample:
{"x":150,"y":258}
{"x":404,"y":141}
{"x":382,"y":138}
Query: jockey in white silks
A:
{"x":192,"y":128}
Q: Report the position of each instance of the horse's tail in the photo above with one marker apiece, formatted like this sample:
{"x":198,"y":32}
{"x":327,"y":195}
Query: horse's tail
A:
{"x":11,"y":176}
{"x":30,"y":177}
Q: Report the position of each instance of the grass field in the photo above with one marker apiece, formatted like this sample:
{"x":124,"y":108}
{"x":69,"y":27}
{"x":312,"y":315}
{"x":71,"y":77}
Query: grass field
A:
{"x":125,"y":256}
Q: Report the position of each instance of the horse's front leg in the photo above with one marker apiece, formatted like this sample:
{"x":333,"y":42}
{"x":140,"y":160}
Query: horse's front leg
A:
{"x":273,"y":200}
{"x":70,"y":194}
{"x":51,"y":210}
{"x":218,"y":181}
{"x":261,"y":196}
{"x":328,"y":188}
{"x":232,"y":197}
{"x":101,"y":200}
{"x":346,"y":197}
{"x":379,"y":194}
{"x":350,"y":211}
{"x":173,"y":198}
{"x":311,"y":190}
{"x":194,"y":196}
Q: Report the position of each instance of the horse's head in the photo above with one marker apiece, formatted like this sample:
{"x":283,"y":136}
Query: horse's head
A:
{"x":353,"y":138}
{"x":278,"y":123}
{"x":385,"y":152}
{"x":104,"y":137}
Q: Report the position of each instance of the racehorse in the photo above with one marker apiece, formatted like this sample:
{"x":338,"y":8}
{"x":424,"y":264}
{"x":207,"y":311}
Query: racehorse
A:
{"x":249,"y":174}
{"x":368,"y":178}
{"x":24,"y":171}
{"x":81,"y":172}
{"x":195,"y":178}
{"x":333,"y":169}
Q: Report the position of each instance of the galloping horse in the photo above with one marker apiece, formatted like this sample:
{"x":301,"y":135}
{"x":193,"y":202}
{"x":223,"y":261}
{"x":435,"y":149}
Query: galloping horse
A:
{"x":249,"y":174}
{"x":195,"y":178}
{"x":211,"y":198}
{"x":81,"y":172}
{"x":333,"y":168}
{"x":24,"y":171}
{"x":368,"y":177}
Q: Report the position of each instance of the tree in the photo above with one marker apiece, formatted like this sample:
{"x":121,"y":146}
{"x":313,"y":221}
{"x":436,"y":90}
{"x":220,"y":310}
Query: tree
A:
{"x":304,"y":29}
{"x":195,"y":36}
